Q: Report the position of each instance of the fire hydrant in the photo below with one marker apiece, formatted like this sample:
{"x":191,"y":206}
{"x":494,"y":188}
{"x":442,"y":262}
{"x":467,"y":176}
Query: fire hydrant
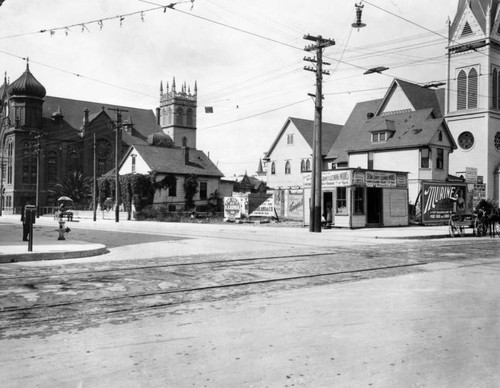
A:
{"x":62,"y":230}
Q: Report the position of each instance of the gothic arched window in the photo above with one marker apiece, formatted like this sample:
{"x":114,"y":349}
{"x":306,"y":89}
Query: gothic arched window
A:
{"x":288,"y":168}
{"x":104,"y":156}
{"x":273,"y":168}
{"x":472,"y":89}
{"x":189,"y":118}
{"x":303,"y":166}
{"x":462,"y":90}
{"x":10,"y":160}
{"x":179,"y":113}
{"x":308,"y":165}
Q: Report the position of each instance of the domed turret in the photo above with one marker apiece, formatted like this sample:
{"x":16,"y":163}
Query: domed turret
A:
{"x":160,"y":139}
{"x":27,"y":85}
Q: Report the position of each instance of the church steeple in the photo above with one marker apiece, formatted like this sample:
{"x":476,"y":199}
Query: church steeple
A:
{"x":178,"y":114}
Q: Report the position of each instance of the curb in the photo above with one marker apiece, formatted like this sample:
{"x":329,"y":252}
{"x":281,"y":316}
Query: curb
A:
{"x":61,"y":255}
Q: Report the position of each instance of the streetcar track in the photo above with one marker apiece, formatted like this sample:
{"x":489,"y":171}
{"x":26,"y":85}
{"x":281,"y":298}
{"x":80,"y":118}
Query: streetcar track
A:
{"x":205,"y":288}
{"x":211,"y":262}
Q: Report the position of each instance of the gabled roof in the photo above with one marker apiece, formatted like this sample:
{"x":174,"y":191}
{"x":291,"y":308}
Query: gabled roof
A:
{"x":172,"y":160}
{"x":479,"y":9}
{"x":347,"y":138}
{"x":329,"y":133}
{"x":144,"y":120}
{"x":412,"y":130}
{"x":419,"y":97}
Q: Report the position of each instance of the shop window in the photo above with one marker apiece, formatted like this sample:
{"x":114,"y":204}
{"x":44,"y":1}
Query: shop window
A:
{"x":359,"y":200}
{"x":341,"y":207}
{"x":288,"y":168}
{"x":203,"y":190}
{"x":424,"y":157}
{"x":440,"y":159}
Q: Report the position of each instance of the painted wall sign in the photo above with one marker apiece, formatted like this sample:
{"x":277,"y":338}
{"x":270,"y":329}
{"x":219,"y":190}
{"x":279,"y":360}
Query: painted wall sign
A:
{"x":331,"y":179}
{"x":380,"y":179}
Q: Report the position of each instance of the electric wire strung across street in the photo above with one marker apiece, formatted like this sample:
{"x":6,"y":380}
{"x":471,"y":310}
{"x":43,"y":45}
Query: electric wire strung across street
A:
{"x":223,"y":24}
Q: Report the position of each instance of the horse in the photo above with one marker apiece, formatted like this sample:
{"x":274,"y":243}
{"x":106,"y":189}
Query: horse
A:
{"x":492,"y":217}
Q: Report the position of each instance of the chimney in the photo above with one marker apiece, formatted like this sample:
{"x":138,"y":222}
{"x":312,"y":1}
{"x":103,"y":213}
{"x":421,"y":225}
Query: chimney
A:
{"x":185,"y":154}
{"x":85,"y":117}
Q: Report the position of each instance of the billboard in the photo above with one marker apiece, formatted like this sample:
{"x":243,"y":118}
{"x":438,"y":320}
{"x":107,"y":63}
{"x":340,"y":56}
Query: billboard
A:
{"x":441,"y":200}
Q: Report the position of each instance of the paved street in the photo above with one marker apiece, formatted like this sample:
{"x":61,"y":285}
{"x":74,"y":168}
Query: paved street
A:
{"x":253,"y":311}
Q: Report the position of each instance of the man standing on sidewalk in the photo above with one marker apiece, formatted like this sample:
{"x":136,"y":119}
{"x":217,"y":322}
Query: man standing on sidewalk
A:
{"x":26,"y":225}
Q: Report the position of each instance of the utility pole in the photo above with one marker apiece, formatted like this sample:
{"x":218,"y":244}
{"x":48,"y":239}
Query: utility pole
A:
{"x":118,"y":128}
{"x":315,"y":207}
{"x":94,"y":180}
{"x":37,"y":149}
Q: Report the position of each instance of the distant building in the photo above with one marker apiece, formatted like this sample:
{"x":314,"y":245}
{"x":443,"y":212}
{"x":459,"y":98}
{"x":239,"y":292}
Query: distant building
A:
{"x":44,"y":138}
{"x":405,"y":131}
{"x":290,"y":155}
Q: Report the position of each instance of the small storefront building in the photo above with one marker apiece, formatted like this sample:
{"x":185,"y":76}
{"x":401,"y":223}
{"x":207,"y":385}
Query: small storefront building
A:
{"x":358,"y":198}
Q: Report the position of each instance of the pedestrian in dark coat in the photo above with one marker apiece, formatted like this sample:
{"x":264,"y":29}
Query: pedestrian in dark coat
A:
{"x":26,"y":226}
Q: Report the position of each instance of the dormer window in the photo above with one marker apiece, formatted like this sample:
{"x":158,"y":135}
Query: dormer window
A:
{"x":379,"y":136}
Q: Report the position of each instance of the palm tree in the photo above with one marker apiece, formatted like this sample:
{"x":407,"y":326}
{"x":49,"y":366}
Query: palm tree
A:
{"x":74,"y":185}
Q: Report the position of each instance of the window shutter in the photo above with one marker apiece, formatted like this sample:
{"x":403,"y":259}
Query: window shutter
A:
{"x":462,"y":90}
{"x":472,"y":89}
{"x":494,"y":89}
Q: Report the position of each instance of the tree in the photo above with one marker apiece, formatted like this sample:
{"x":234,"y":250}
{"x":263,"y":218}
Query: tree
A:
{"x":74,"y":185}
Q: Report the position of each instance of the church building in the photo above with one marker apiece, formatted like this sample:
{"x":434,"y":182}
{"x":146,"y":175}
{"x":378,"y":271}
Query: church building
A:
{"x":44,"y":138}
{"x":473,"y":92}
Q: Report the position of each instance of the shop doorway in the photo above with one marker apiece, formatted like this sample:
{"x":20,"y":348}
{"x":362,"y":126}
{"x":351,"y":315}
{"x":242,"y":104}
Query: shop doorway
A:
{"x":327,"y":212}
{"x":374,"y":206}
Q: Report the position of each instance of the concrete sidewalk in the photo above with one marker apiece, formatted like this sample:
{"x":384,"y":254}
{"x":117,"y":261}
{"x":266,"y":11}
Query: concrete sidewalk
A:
{"x":46,"y":246}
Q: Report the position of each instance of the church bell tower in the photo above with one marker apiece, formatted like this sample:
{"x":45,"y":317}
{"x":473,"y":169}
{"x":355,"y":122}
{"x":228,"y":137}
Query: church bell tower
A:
{"x":473,"y":91}
{"x":177,"y":114}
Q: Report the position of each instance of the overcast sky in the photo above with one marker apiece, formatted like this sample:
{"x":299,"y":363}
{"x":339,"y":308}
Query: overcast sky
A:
{"x":246,"y":56}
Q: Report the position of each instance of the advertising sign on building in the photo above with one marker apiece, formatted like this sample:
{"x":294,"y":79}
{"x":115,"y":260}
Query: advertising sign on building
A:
{"x":331,"y":179}
{"x":380,"y":179}
{"x":471,"y":174}
{"x":261,"y":205}
{"x":232,"y":207}
{"x":441,"y":200}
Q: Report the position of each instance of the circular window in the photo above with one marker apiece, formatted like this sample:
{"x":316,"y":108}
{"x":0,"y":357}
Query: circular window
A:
{"x":466,"y":140}
{"x":497,"y":141}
